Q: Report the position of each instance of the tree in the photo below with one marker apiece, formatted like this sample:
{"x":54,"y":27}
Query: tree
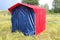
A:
{"x":33,"y":2}
{"x":45,"y":6}
{"x":56,"y":5}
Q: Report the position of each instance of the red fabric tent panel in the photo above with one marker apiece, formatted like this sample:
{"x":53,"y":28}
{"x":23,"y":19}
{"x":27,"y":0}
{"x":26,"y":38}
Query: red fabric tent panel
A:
{"x":40,"y":20}
{"x":28,"y":5}
{"x":40,"y":16}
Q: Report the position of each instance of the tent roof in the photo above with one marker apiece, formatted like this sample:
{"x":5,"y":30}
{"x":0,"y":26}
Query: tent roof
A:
{"x":28,"y":5}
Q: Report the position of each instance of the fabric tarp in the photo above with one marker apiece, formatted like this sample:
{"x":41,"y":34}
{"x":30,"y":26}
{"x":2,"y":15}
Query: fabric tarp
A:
{"x":23,"y":20}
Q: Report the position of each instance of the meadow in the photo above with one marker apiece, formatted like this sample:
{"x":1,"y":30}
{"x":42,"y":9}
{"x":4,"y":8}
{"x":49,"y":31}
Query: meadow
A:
{"x":52,"y":31}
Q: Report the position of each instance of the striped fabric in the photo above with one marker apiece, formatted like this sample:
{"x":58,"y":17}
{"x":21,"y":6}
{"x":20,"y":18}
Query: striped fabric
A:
{"x":23,"y":20}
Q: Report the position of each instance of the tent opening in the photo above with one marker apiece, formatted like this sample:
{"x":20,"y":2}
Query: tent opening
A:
{"x":23,"y":20}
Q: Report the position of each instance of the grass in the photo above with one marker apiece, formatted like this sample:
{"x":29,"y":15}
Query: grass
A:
{"x":52,"y":31}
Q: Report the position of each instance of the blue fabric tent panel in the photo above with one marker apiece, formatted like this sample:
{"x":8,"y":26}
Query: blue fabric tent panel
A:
{"x":23,"y":20}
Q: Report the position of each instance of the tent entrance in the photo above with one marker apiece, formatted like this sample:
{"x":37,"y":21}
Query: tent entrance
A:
{"x":23,"y":20}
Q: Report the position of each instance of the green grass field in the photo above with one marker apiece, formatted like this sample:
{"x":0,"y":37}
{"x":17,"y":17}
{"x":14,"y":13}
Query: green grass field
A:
{"x":52,"y":31}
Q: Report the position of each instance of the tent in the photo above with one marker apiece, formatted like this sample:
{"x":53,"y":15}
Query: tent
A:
{"x":29,"y":19}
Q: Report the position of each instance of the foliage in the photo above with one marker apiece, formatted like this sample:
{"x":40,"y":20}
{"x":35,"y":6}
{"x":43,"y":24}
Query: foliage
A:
{"x":45,"y":6}
{"x":52,"y":31}
{"x":56,"y":4}
{"x":33,"y":2}
{"x":51,"y":11}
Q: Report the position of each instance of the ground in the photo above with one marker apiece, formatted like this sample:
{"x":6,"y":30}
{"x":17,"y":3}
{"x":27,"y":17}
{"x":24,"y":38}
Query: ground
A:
{"x":52,"y":31}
